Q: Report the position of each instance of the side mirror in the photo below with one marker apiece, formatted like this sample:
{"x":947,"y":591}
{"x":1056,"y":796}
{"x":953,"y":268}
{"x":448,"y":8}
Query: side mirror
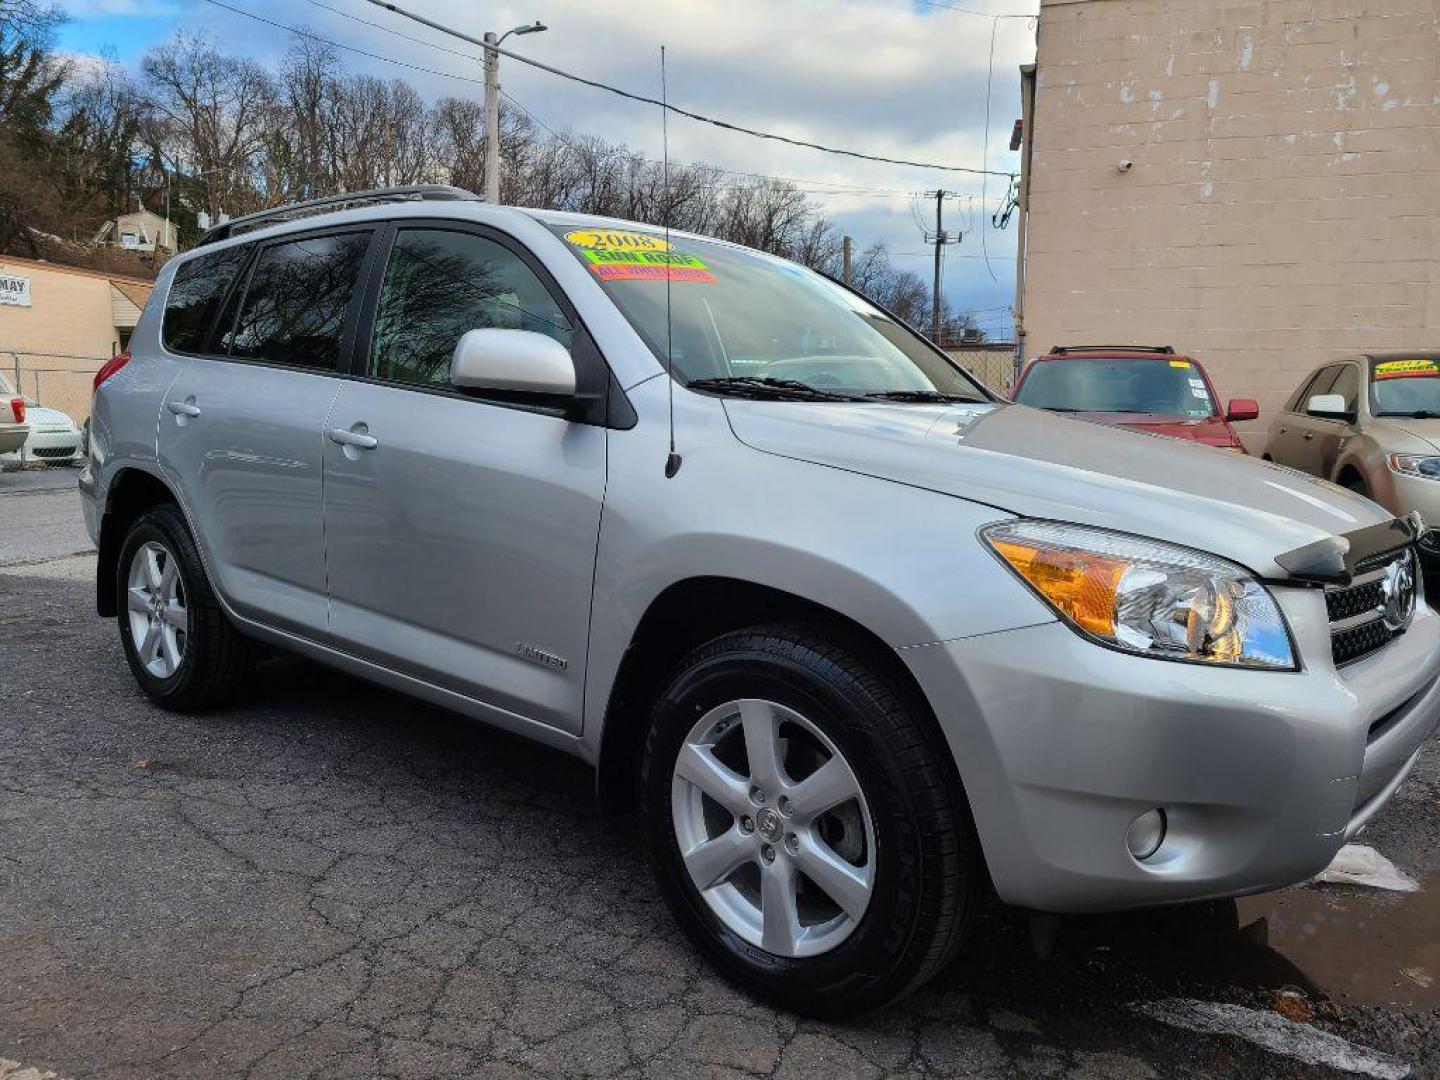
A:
{"x":516,"y":361}
{"x":1242,"y":408}
{"x":1327,"y":407}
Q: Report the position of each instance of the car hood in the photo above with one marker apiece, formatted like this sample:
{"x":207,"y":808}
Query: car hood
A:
{"x":40,"y":416}
{"x":1039,"y":464}
{"x":1427,"y":431}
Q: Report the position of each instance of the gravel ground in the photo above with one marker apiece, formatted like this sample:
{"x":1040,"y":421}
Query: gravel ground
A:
{"x":330,"y":880}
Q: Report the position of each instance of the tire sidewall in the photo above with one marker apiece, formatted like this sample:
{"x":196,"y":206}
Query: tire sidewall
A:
{"x":155,"y":527}
{"x":840,"y":709}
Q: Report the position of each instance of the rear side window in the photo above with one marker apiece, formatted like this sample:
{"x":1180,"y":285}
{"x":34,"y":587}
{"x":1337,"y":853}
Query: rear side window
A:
{"x":195,"y":295}
{"x":439,"y":285}
{"x":294,"y":307}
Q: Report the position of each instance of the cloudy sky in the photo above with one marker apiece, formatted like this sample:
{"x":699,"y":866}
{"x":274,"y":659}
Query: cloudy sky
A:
{"x":897,"y":78}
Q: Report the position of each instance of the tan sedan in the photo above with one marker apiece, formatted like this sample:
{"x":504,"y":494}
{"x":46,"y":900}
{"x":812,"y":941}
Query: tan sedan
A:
{"x":1371,"y":424}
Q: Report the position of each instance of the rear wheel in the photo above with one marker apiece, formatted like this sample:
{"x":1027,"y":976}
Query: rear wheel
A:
{"x":181,"y":648}
{"x":806,"y":825}
{"x":1355,"y":484}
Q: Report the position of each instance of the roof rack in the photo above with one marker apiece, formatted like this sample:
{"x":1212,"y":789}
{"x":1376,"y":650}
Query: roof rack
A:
{"x":329,"y":203}
{"x":1166,"y":350}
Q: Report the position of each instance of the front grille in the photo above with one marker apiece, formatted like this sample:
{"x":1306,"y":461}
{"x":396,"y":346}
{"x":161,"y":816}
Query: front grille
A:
{"x":54,"y":452}
{"x":1357,"y":611}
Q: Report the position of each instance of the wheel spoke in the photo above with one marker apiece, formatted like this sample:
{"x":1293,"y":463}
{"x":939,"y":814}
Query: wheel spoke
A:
{"x":167,"y":578}
{"x":698,"y":764}
{"x":824,"y":789}
{"x":137,"y":600}
{"x":170,"y":647}
{"x":150,"y":644}
{"x":762,"y":745}
{"x":152,"y":568}
{"x":710,"y":862}
{"x":175,"y":616}
{"x":778,"y":911}
{"x":848,"y":886}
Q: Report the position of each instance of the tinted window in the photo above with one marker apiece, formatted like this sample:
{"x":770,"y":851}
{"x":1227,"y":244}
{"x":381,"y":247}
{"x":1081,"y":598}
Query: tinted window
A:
{"x":1347,"y":385}
{"x":294,"y":308}
{"x":438,"y":285}
{"x":1322,"y":384}
{"x":195,"y":294}
{"x":1162,"y":387}
{"x":1405,"y":387}
{"x":1301,"y":395}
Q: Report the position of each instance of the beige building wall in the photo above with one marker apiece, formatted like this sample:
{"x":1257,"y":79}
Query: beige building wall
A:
{"x":1284,"y":204}
{"x":67,"y":332}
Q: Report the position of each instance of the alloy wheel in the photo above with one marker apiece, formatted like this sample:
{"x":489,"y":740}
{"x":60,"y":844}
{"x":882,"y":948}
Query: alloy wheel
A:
{"x":155,"y":603}
{"x":773,"y":828}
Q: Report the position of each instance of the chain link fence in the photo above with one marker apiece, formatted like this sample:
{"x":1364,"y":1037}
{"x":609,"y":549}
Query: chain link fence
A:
{"x":55,"y":380}
{"x":992,"y":362}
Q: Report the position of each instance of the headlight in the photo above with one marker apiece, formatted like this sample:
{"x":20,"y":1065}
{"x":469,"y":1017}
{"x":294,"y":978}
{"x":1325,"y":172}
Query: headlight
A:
{"x":1415,"y":465}
{"x":1146,"y":597}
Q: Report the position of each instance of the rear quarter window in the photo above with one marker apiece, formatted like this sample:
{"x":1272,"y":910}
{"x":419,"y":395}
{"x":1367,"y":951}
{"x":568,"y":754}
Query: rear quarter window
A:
{"x":195,"y":295}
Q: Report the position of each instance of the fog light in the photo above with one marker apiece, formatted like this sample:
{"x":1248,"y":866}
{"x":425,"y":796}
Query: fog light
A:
{"x":1146,"y":834}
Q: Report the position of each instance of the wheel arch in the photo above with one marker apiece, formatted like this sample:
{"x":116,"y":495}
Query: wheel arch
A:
{"x":684,"y":616}
{"x":131,"y":492}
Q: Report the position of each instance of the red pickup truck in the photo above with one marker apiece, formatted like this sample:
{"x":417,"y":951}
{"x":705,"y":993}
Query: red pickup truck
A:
{"x":1145,"y":387}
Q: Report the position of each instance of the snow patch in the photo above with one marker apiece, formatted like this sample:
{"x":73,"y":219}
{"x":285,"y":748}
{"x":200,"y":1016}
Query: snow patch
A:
{"x":1357,"y":864}
{"x":1271,"y":1031}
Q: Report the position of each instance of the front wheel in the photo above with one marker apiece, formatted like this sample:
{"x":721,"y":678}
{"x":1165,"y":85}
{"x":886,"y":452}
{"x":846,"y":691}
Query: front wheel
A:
{"x":806,"y":824}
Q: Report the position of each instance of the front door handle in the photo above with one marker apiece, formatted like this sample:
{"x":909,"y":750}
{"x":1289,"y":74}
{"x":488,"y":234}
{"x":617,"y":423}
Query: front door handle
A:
{"x":1308,"y":436}
{"x":184,"y":408}
{"x":361,"y":440}
{"x":1283,"y":430}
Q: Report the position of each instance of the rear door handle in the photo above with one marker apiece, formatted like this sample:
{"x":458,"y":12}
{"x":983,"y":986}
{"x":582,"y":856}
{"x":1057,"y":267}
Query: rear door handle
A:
{"x":1283,"y":430}
{"x":183,"y":408}
{"x":1308,"y":436}
{"x":361,"y":440}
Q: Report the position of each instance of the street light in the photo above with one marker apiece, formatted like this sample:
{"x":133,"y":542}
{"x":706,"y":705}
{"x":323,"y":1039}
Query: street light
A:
{"x":492,"y":105}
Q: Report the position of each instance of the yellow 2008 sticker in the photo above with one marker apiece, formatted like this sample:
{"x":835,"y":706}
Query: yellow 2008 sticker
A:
{"x":1407,"y":369}
{"x":617,"y":240}
{"x":1180,"y":363}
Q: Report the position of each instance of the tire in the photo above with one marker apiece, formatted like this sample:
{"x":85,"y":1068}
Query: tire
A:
{"x":1357,"y":485}
{"x":205,"y":660}
{"x":909,"y":831}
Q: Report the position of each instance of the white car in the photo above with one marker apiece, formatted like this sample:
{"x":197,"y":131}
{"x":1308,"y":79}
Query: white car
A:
{"x":54,"y":437}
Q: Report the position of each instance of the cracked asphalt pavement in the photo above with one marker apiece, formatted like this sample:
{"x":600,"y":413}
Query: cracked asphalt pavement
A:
{"x":330,"y":880}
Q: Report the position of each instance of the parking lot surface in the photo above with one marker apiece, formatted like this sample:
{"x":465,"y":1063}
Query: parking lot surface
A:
{"x":330,"y":880}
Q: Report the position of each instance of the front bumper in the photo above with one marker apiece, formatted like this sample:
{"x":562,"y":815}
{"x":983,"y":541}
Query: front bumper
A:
{"x":1262,"y":775}
{"x":60,"y":446}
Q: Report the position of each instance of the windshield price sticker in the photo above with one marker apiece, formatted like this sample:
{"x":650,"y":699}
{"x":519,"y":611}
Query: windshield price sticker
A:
{"x":617,"y":240}
{"x":612,"y":265}
{"x":1184,"y":364}
{"x":1407,"y":369}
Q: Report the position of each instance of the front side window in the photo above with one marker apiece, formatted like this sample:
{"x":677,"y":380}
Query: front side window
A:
{"x":439,"y":285}
{"x":294,"y":307}
{"x":1405,"y":387}
{"x":1347,"y":385}
{"x":1159,"y":387}
{"x":196,"y":293}
{"x":722,"y":312}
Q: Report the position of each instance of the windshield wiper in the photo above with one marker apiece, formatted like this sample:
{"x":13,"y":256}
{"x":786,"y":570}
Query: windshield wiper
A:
{"x":1413,"y":414}
{"x":922,"y":396}
{"x":772,"y":389}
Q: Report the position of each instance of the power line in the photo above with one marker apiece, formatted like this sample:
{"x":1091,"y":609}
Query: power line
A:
{"x":972,"y":11}
{"x":985,"y":146}
{"x":646,"y":100}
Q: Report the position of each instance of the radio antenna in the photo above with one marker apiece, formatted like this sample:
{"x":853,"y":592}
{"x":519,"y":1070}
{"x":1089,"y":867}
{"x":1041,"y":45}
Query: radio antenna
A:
{"x":672,"y":463}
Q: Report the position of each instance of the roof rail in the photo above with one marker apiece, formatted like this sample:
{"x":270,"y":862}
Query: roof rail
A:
{"x":329,"y":203}
{"x":1166,"y":350}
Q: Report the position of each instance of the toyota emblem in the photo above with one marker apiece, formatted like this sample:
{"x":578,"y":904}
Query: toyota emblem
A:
{"x":1397,"y":591}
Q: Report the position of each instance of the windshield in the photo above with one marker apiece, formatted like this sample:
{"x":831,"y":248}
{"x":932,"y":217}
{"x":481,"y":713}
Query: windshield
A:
{"x":736,"y":314}
{"x":1405,"y":387}
{"x":1168,"y":387}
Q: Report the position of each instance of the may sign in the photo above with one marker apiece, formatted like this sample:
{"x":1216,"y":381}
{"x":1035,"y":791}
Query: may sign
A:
{"x":14,"y":290}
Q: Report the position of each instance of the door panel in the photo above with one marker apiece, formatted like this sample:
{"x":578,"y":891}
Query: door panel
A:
{"x":1331,"y":435}
{"x":243,"y":445}
{"x":461,"y":544}
{"x":1308,"y":432}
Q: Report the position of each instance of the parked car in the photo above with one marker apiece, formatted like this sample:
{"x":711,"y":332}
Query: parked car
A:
{"x":14,"y":429}
{"x":1142,"y":387}
{"x":854,"y":636}
{"x":54,"y":437}
{"x":1372,"y":424}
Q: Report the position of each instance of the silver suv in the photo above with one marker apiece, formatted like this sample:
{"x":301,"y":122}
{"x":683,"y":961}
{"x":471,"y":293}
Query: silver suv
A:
{"x":858,"y":639}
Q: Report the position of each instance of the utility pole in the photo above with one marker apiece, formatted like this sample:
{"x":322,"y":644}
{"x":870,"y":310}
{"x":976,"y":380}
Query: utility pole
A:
{"x":939,"y":247}
{"x":492,"y":118}
{"x":845,"y":246}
